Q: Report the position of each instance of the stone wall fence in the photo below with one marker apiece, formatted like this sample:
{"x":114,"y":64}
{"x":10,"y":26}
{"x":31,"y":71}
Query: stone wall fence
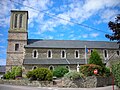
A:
{"x":88,"y":82}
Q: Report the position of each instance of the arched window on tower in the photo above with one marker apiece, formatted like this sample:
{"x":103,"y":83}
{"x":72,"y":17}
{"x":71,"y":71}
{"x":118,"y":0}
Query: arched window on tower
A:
{"x":20,"y":21}
{"x":16,"y":47}
{"x":15,"y":24}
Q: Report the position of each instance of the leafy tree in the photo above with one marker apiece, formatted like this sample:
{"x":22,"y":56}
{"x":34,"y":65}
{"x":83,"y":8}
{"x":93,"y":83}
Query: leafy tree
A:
{"x":116,"y":73}
{"x":95,"y":59}
{"x":115,"y":27}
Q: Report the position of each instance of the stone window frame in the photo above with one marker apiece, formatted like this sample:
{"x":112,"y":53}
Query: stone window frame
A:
{"x":20,"y":20}
{"x":68,"y":67}
{"x":104,"y":53}
{"x":34,"y":67}
{"x":36,"y":53}
{"x":15,"y":20}
{"x":62,"y":54}
{"x":48,"y":54}
{"x":52,"y":67}
{"x":78,"y":54}
{"x":17,"y":46}
{"x":118,"y":52}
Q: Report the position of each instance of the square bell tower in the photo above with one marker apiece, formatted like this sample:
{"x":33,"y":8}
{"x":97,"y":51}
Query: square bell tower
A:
{"x":17,"y":38}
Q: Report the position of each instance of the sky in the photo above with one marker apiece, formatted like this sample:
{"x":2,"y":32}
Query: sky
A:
{"x":60,"y":19}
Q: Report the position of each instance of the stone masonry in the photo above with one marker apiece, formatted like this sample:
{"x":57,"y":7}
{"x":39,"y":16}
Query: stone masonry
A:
{"x":17,"y":35}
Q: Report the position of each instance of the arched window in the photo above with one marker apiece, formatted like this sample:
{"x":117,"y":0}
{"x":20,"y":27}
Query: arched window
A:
{"x":49,"y":54}
{"x":15,"y":24}
{"x":20,"y":21}
{"x":105,"y":53}
{"x":63,"y":54}
{"x":34,"y":67}
{"x":16,"y":47}
{"x":76,"y":53}
{"x":67,"y":67}
{"x":35,"y":54}
{"x":118,"y":53}
{"x":51,"y":68}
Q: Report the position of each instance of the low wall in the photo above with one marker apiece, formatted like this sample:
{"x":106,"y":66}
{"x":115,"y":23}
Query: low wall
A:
{"x":88,"y":82}
{"x":27,"y":83}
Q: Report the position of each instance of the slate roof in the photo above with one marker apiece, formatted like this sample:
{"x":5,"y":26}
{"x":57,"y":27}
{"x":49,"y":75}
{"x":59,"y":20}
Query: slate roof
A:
{"x":2,"y":69}
{"x":53,"y":61}
{"x":39,"y":43}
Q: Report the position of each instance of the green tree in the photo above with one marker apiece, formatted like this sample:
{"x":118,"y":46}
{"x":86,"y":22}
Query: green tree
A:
{"x":95,"y":59}
{"x":116,"y":73}
{"x":115,"y":27}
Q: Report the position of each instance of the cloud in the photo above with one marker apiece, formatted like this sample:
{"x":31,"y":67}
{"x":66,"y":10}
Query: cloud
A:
{"x":6,"y":6}
{"x":108,"y":15}
{"x":94,"y":34}
{"x":85,"y":35}
{"x":2,"y":51}
{"x":71,"y":36}
{"x":49,"y":37}
{"x":2,"y":46}
{"x":4,"y":22}
{"x":80,"y":12}
{"x":1,"y":34}
{"x":61,"y":35}
{"x":2,"y":61}
{"x":70,"y":11}
{"x":37,"y":6}
{"x":2,"y":41}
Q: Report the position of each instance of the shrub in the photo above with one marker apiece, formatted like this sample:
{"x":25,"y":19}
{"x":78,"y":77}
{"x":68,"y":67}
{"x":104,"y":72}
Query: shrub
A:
{"x":49,"y":76}
{"x":12,"y":75}
{"x":40,"y":74}
{"x":116,"y":73}
{"x":7,"y":75}
{"x":95,"y":59}
{"x":15,"y":71}
{"x":106,"y":71}
{"x":60,"y":71}
{"x":73,"y":75}
{"x":88,"y":69}
{"x":29,"y":74}
{"x":43,"y":74}
{"x":18,"y":72}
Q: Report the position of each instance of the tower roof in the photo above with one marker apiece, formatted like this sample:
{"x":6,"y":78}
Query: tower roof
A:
{"x":20,"y":11}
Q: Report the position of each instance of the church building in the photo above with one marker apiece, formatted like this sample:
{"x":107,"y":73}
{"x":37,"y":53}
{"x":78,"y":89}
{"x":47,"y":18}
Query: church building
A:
{"x":32,"y":53}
